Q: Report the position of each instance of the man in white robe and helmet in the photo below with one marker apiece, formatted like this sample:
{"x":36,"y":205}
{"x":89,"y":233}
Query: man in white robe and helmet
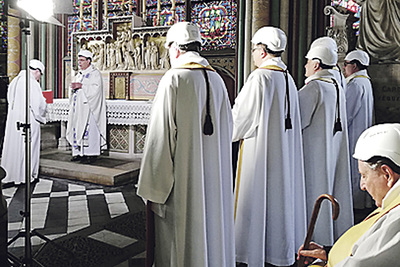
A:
{"x":360,"y":107}
{"x":86,"y":129}
{"x":332,"y":45}
{"x":270,"y":215}
{"x":325,"y":144}
{"x":186,"y":171}
{"x":13,"y":156}
{"x":374,"y":241}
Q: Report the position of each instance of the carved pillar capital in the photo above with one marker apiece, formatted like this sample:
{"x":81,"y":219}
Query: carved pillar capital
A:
{"x":338,"y":31}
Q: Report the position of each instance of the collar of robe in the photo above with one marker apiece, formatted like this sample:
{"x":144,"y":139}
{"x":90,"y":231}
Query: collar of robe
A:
{"x":288,"y":120}
{"x":350,"y":78}
{"x":194,"y":65}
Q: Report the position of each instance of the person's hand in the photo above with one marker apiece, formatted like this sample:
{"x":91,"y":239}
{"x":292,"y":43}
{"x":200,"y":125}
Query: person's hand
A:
{"x":314,"y":251}
{"x":76,"y":86}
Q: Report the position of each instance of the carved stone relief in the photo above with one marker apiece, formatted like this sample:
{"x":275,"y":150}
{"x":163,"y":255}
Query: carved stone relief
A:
{"x":123,"y":47}
{"x":339,"y":30}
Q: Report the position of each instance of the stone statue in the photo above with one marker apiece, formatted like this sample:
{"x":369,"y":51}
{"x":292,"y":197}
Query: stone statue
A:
{"x":147,"y":56}
{"x":137,"y":55}
{"x":108,"y":59}
{"x":113,"y":62}
{"x":118,"y":53}
{"x":129,"y":61}
{"x":154,"y":56}
{"x":130,"y":42}
{"x":164,"y":62}
{"x":380,"y":29}
{"x":101,"y":55}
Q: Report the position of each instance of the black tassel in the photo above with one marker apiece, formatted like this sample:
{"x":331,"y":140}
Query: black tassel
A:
{"x":338,"y":127}
{"x":338,"y":124}
{"x":288,"y":124}
{"x":208,"y":128}
{"x":288,"y":120}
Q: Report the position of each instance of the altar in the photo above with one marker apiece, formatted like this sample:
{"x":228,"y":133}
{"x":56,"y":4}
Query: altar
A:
{"x":126,"y":125}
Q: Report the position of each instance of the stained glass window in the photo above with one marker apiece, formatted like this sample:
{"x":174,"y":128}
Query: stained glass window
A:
{"x":217,"y":22}
{"x":216,"y":19}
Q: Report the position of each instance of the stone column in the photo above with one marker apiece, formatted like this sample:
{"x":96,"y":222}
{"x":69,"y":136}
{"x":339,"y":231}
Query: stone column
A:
{"x":62,"y":141}
{"x":261,"y":14}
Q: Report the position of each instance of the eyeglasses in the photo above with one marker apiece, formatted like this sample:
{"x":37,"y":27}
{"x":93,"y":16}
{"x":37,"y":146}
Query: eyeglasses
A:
{"x":347,"y":63}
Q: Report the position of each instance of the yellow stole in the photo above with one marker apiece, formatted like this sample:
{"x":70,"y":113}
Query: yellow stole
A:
{"x":272,"y":67}
{"x":238,"y":173}
{"x":360,"y":76}
{"x":343,"y":247}
{"x":193,"y":65}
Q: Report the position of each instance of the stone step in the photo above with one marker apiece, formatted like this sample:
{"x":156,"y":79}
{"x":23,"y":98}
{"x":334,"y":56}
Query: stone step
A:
{"x":105,"y":170}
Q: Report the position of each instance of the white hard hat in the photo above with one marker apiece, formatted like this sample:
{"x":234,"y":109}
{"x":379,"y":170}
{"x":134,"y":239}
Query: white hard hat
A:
{"x":326,"y":55}
{"x":36,"y":64}
{"x":359,"y":55}
{"x":325,"y":41}
{"x":85,"y":53}
{"x":381,"y":140}
{"x":183,"y":33}
{"x":273,"y":38}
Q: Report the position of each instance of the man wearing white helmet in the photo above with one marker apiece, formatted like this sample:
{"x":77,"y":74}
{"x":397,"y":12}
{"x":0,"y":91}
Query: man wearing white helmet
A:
{"x":359,"y":106}
{"x":86,"y":129}
{"x":186,"y":170}
{"x":325,"y":143}
{"x":270,"y":201}
{"x":375,"y":241}
{"x":13,"y":160}
{"x":331,"y":44}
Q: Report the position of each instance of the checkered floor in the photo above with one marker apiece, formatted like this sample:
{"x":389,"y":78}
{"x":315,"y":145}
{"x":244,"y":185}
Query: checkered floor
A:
{"x":61,"y":207}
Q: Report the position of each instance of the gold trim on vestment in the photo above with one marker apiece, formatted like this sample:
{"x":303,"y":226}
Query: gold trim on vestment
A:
{"x":239,"y":167}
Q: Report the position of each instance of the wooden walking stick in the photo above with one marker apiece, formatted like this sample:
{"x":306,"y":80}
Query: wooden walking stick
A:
{"x":313,"y":220}
{"x":150,"y":235}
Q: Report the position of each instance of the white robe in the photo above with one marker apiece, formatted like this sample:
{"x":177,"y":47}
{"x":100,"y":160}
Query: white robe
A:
{"x":380,"y":245}
{"x":87,"y":104}
{"x":339,"y":77}
{"x":187,"y":174}
{"x":13,"y":160}
{"x":326,"y":156}
{"x":360,"y":106}
{"x":270,"y":222}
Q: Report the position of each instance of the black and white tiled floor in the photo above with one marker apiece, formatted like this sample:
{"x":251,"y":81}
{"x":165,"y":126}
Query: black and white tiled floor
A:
{"x":62,"y":208}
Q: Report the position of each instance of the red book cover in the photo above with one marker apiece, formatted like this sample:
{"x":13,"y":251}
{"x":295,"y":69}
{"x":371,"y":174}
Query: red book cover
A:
{"x":48,"y":94}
